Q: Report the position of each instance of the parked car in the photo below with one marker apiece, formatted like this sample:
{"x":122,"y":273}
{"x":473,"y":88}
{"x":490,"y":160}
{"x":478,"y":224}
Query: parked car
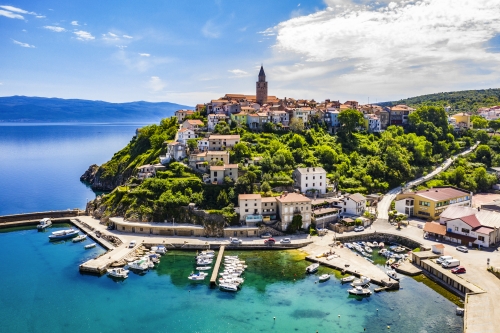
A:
{"x":285,"y":240}
{"x":462,"y":249}
{"x":132,"y":243}
{"x":235,"y":241}
{"x":270,"y":241}
{"x":458,"y":270}
{"x":450,"y":263}
{"x":360,"y":228}
{"x":442,"y":259}
{"x":266,"y":235}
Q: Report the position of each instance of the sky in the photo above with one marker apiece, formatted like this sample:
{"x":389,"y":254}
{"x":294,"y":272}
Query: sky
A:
{"x":190,"y":52}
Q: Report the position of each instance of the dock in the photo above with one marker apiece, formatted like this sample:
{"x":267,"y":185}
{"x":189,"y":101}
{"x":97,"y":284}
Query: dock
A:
{"x":215,"y":272}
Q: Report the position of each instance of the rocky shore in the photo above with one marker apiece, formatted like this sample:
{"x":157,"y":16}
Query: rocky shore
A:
{"x":93,"y":176}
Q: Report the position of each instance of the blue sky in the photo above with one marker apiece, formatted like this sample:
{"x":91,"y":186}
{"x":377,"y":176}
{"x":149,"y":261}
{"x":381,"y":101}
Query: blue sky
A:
{"x":192,"y":51}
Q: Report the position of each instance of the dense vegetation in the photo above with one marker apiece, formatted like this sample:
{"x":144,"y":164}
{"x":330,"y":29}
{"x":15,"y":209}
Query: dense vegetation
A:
{"x":459,"y":101}
{"x":355,"y":161}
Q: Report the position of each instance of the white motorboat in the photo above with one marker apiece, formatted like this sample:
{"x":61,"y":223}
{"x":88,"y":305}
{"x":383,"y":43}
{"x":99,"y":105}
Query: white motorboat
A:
{"x":79,"y":238}
{"x":154,"y":258}
{"x":370,"y":244}
{"x":44,"y":223}
{"x":381,"y":245}
{"x":348,"y":279}
{"x":89,"y":246}
{"x":399,"y":249}
{"x":312,"y":268}
{"x":228,"y":287}
{"x":360,"y":291}
{"x":203,"y":268}
{"x":363,"y":280}
{"x":160,"y":249}
{"x":368,"y":249}
{"x":382,"y":251}
{"x":324,"y":277}
{"x":63,"y":234}
{"x":197,"y":276}
{"x":231,"y":280}
{"x":119,"y":273}
{"x":208,"y":253}
{"x":139,"y":265}
{"x":392,"y":274}
{"x":375,"y":244}
{"x":348,"y":245}
{"x":203,"y":262}
{"x":366,"y":254}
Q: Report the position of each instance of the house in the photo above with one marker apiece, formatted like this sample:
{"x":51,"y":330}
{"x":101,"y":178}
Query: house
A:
{"x":239,"y":118}
{"x":462,"y":120}
{"x":302,"y":114}
{"x":221,"y":142}
{"x":429,"y":204}
{"x":372,"y":123}
{"x":384,"y":117}
{"x":253,"y":121}
{"x":203,"y":145}
{"x":312,"y":180}
{"x":202,"y":160}
{"x":146,"y":171}
{"x":193,"y":124}
{"x":353,"y":204}
{"x":199,"y":107}
{"x":184,"y":134}
{"x":398,"y":115}
{"x":182,"y":114}
{"x":332,"y":118}
{"x":250,"y":206}
{"x":216,"y":106}
{"x":219,"y":172}
{"x":279,"y":117}
{"x":467,"y":226}
{"x":214,"y":119}
{"x":291,"y":204}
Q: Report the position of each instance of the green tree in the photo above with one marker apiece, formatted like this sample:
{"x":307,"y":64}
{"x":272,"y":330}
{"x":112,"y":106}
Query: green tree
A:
{"x":297,"y":125}
{"x":349,"y":120}
{"x":222,"y":199}
{"x":484,"y":155}
{"x":295,"y":225}
{"x":265,"y":187}
{"x":479,"y":122}
{"x":192,"y":144}
{"x":240,"y":151}
{"x":494,"y":124}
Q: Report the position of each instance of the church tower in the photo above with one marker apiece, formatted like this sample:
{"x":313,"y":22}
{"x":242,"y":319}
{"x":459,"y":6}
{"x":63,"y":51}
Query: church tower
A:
{"x":261,"y":93}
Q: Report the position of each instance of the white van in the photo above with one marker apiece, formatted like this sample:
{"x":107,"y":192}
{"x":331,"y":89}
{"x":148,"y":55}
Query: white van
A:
{"x":442,"y":259}
{"x":132,"y":243}
{"x":451,"y":263}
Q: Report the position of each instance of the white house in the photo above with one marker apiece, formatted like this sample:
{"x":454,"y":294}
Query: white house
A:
{"x":279,"y":117}
{"x":146,"y":171}
{"x":353,"y":204}
{"x":184,"y":134}
{"x":219,"y":172}
{"x":310,"y":179}
{"x":203,"y":145}
{"x":222,"y":142}
{"x":214,"y":119}
{"x":372,"y":123}
{"x":192,"y":124}
{"x":250,"y":207}
{"x":182,"y":114}
{"x":291,"y":204}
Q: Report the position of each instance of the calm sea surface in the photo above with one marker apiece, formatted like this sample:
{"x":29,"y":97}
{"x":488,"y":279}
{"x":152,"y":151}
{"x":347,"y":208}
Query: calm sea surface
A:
{"x":42,"y":290}
{"x":41,"y":165}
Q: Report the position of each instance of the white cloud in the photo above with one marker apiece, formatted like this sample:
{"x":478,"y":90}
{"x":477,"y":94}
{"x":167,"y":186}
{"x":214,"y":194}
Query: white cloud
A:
{"x":40,"y":16}
{"x":211,"y":30}
{"x":399,"y":47}
{"x":127,"y":36}
{"x":55,"y":29}
{"x":11,"y":15}
{"x":121,"y":47}
{"x":238,"y":72}
{"x":23,"y":44}
{"x":83,"y":35}
{"x":74,"y":23}
{"x":144,"y":54}
{"x":156,"y":84}
{"x":17,"y":10}
{"x":110,"y":36}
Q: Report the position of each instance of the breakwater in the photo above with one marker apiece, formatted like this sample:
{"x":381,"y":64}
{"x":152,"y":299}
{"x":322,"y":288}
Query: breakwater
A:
{"x":36,"y":216}
{"x":380,"y":236}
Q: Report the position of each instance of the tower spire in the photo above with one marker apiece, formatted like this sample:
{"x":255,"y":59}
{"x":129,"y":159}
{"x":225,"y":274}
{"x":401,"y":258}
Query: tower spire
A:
{"x":261,"y":87}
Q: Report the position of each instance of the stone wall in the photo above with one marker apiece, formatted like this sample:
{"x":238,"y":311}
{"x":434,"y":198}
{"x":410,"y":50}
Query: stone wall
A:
{"x":380,"y":236}
{"x":40,"y":215}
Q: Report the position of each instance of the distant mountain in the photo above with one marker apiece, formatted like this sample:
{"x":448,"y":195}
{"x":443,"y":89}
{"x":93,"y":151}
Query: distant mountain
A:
{"x":40,"y":109}
{"x":466,"y":100}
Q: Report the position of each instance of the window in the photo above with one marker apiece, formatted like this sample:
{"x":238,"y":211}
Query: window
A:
{"x":246,"y":210}
{"x":480,"y":238}
{"x":314,"y":184}
{"x":306,"y":177}
{"x":465,"y":231}
{"x":424,"y":203}
{"x":320,"y":177}
{"x":320,"y":184}
{"x":424,"y":213}
{"x":456,"y":228}
{"x":306,"y":185}
{"x":255,"y":204}
{"x":314,"y":177}
{"x":246,"y":205}
{"x":265,"y":204}
{"x":123,"y":228}
{"x":140,"y":229}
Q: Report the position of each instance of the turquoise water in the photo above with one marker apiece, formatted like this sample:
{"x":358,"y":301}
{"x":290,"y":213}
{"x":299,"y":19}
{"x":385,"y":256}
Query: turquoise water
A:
{"x":41,"y":164}
{"x":42,"y":291}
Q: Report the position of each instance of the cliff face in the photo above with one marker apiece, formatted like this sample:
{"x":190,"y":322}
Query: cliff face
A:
{"x":94,"y":177}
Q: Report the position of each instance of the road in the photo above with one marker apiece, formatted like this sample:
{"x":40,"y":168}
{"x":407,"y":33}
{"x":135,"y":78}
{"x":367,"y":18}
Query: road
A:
{"x":384,"y":204}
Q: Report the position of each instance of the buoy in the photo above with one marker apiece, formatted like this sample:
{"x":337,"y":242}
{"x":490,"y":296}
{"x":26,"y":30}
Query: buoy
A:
{"x":388,"y":327}
{"x":339,"y":316}
{"x":274,"y":318}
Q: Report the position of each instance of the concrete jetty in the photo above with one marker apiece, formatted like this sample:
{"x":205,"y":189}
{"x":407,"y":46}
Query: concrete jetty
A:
{"x":215,"y":272}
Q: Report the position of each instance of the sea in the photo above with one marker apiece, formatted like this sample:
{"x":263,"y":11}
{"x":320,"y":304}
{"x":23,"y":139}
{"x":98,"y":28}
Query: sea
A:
{"x":42,"y":289}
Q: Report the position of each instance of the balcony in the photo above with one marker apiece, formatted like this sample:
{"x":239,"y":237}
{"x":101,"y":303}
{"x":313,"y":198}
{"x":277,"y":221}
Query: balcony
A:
{"x":249,"y":219}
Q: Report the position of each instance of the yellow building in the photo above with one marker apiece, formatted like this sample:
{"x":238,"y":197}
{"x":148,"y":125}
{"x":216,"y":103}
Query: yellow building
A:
{"x":429,"y":204}
{"x":462,"y":120}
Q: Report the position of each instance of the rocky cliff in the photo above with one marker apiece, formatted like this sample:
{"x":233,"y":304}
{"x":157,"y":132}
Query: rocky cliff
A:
{"x":99,"y":182}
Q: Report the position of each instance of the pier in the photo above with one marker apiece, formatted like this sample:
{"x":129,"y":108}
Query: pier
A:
{"x":215,"y":272}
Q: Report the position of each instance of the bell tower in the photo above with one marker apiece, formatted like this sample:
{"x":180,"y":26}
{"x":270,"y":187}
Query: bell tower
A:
{"x":261,"y":91}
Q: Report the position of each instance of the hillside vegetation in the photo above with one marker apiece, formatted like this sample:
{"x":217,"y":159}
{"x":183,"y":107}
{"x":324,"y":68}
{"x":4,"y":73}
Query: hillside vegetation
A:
{"x":459,"y":101}
{"x":354,"y":161}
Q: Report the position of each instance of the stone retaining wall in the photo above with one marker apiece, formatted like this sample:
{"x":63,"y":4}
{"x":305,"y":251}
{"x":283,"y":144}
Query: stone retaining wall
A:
{"x":380,"y":236}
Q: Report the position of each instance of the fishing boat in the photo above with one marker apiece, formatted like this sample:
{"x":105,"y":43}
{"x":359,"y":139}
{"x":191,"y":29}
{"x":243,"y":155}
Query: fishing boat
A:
{"x":312,"y":268}
{"x":324,"y":277}
{"x":348,"y":279}
{"x":118,"y":273}
{"x":381,"y":245}
{"x":44,"y":223}
{"x":392,"y":274}
{"x":89,"y":246}
{"x":79,"y":238}
{"x":363,"y":280}
{"x":360,"y":291}
{"x":228,"y":287}
{"x":368,"y":249}
{"x":63,"y":234}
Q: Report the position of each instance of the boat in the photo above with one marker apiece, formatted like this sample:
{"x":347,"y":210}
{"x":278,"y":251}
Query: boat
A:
{"x":119,"y":273}
{"x":363,"y":280}
{"x":348,"y":279}
{"x":368,"y":249}
{"x":390,"y":261}
{"x":197,"y":276}
{"x":44,"y":223}
{"x":375,"y":244}
{"x":360,"y":291}
{"x":366,"y":254}
{"x":155,"y":258}
{"x":324,"y":277}
{"x":392,"y":274}
{"x":203,"y":268}
{"x":228,"y":287}
{"x":203,"y":262}
{"x":63,"y":234}
{"x":79,"y":238}
{"x":312,"y":268}
{"x":348,"y":245}
{"x":139,"y":265}
{"x":399,"y":249}
{"x":370,"y":244}
{"x":89,"y":246}
{"x":381,"y":245}
{"x":160,"y":249}
{"x":370,"y":260}
{"x":382,"y":251}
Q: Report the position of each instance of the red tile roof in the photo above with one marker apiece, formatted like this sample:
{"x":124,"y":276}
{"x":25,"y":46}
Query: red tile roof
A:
{"x":471,"y":220}
{"x":442,"y":193}
{"x":484,"y":230}
{"x":435,"y":228}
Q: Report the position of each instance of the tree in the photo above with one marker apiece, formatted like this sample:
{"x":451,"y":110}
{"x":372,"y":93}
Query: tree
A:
{"x":495,"y":124}
{"x":240,"y":151}
{"x":222,"y":199}
{"x":297,"y":125}
{"x":484,"y":155}
{"x":192,"y":144}
{"x":479,"y":122}
{"x":265,"y":187}
{"x":349,"y":120}
{"x":295,"y":225}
